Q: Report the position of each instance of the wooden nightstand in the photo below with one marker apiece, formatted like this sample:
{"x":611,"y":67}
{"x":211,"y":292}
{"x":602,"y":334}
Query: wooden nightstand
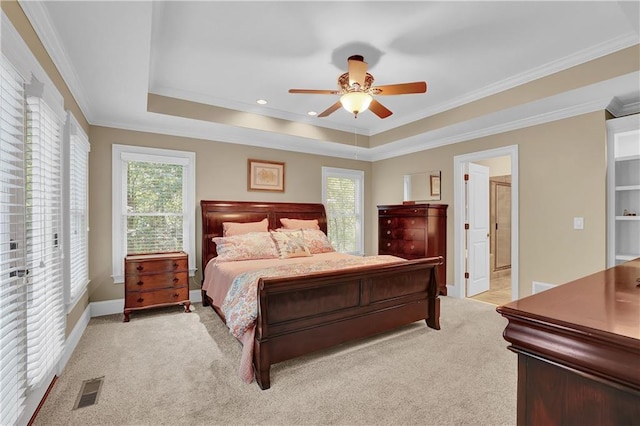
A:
{"x":155,"y":280}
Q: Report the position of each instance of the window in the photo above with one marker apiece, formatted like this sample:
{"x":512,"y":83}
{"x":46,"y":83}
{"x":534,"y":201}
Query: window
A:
{"x":153,"y":199}
{"x":32,"y":314}
{"x":343,"y":197}
{"x":76,"y":221}
{"x":13,"y":308}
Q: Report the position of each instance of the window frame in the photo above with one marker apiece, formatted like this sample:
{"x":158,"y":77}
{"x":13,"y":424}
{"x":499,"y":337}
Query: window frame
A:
{"x":121,"y":154}
{"x":358,"y":176}
{"x":74,"y":136}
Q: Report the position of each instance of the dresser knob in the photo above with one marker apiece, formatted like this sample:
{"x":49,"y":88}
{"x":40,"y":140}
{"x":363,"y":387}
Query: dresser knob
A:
{"x":176,"y":295}
{"x":175,"y":279}
{"x":413,"y":247}
{"x":413,"y":222}
{"x":140,"y":268}
{"x":388,"y":232}
{"x":388,"y":244}
{"x":175,"y":265}
{"x":388,"y":221}
{"x":140,"y":282}
{"x":140,"y":300}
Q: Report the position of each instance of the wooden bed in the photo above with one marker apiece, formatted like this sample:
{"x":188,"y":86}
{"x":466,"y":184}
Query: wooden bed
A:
{"x":299,"y":315}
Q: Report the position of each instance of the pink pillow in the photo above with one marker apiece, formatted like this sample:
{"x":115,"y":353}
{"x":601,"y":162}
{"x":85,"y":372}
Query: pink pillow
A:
{"x":299,"y":223}
{"x":230,"y":229}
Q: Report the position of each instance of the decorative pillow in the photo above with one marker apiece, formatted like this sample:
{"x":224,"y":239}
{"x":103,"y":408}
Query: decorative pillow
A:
{"x":230,"y":229}
{"x":299,"y":223}
{"x":317,"y":241}
{"x":254,"y":245}
{"x":290,"y":244}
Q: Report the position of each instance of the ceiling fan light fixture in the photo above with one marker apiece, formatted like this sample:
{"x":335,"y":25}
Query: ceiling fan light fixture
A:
{"x":356,"y":102}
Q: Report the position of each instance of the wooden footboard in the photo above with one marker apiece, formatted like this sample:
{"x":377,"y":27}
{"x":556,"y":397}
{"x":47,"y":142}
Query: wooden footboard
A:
{"x":299,"y":315}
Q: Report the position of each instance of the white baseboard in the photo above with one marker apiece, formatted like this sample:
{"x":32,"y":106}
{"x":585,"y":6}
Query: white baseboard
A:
{"x":116,"y":306}
{"x":538,"y":287}
{"x":74,"y":338}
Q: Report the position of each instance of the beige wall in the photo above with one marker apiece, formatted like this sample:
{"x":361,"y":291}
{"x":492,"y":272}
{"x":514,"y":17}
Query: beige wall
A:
{"x":562,"y":174}
{"x":221,"y":174}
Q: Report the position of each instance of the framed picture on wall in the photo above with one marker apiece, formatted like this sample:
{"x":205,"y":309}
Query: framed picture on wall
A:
{"x":265,"y":175}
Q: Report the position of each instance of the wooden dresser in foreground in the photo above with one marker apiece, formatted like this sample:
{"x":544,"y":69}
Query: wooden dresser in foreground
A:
{"x":155,"y":280}
{"x":413,"y":231}
{"x":578,"y":349}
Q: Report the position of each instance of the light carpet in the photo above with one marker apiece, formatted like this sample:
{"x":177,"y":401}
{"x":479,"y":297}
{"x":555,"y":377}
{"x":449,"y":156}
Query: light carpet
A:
{"x":166,"y":367}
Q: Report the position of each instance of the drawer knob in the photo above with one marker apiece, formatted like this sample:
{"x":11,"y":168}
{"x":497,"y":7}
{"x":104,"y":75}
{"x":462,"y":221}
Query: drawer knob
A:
{"x":176,"y":295}
{"x":412,"y":247}
{"x":175,"y":265}
{"x":140,"y":300}
{"x":140,"y":268}
{"x":176,"y":279}
{"x":388,"y":244}
{"x":388,"y":232}
{"x":140,"y":282}
{"x":413,"y":222}
{"x":388,"y":220}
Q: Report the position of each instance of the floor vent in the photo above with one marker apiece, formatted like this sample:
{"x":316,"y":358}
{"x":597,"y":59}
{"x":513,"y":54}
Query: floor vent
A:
{"x":89,"y":393}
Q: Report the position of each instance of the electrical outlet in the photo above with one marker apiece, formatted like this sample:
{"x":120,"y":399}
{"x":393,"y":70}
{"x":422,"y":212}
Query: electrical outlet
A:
{"x":578,"y":223}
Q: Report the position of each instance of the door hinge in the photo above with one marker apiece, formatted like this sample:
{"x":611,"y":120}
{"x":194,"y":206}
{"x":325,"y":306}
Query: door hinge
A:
{"x":466,"y":275}
{"x":466,"y":176}
{"x":466,"y":226}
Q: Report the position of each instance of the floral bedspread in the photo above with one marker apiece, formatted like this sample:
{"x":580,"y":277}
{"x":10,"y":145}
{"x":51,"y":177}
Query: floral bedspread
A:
{"x":240,"y":306}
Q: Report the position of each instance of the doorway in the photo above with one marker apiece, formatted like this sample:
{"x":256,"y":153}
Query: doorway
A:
{"x":503,"y":263}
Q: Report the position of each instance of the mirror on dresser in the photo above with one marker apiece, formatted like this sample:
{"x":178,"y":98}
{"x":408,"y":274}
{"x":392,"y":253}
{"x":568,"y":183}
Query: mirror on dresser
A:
{"x":423,"y":186}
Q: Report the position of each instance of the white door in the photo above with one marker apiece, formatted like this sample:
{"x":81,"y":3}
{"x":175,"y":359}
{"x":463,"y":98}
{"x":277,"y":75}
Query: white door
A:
{"x":478,"y":234}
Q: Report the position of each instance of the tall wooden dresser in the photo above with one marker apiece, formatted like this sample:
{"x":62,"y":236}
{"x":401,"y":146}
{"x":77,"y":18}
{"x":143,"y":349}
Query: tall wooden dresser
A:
{"x":155,"y":280}
{"x":413,"y":231}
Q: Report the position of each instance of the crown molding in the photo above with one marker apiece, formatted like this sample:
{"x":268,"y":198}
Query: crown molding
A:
{"x":618,"y":109}
{"x":41,"y":22}
{"x":436,"y":139}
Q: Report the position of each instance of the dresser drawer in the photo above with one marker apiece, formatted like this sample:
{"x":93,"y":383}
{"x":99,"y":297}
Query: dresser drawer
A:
{"x":158,"y":297}
{"x":386,"y":223}
{"x":156,"y":281}
{"x":408,"y":211}
{"x":411,"y":234}
{"x":155,"y":266}
{"x":411,"y":248}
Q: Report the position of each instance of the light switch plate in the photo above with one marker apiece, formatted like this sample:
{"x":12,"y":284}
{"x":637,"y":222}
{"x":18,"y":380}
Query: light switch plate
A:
{"x":578,"y":223}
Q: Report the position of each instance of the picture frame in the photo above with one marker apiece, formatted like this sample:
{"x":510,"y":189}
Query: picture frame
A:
{"x":263,"y":175}
{"x":435,"y":185}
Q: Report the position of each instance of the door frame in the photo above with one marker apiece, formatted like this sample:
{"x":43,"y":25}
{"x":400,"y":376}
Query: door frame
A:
{"x":458,"y":289}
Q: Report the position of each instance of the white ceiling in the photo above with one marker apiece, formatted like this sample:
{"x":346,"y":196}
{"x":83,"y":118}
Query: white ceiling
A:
{"x":229,"y":54}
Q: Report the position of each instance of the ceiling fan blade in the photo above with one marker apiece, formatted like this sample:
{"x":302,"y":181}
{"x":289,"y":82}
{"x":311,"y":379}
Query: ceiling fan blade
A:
{"x":401,"y":89}
{"x":331,"y":109}
{"x":315,"y":92}
{"x":378,"y":109}
{"x":357,"y":70}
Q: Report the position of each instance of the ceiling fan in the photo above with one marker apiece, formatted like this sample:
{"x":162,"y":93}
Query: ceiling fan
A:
{"x":357,"y":92}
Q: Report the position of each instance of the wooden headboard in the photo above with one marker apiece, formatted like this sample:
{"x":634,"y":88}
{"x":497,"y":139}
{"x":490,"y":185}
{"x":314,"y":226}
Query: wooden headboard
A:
{"x":216,"y":212}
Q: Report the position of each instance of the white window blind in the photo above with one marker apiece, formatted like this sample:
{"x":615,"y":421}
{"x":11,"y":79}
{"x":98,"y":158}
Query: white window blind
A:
{"x":343,"y":197}
{"x":77,"y":220}
{"x":45,"y":298}
{"x":153,"y":203}
{"x":13,"y":324}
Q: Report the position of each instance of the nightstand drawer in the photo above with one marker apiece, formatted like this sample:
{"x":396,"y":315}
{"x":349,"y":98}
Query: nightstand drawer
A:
{"x":155,"y":266}
{"x":157,"y":281}
{"x":158,"y":297}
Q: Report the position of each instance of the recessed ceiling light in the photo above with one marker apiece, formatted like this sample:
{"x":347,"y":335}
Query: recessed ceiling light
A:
{"x":261,"y":101}
{"x":312,"y":113}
